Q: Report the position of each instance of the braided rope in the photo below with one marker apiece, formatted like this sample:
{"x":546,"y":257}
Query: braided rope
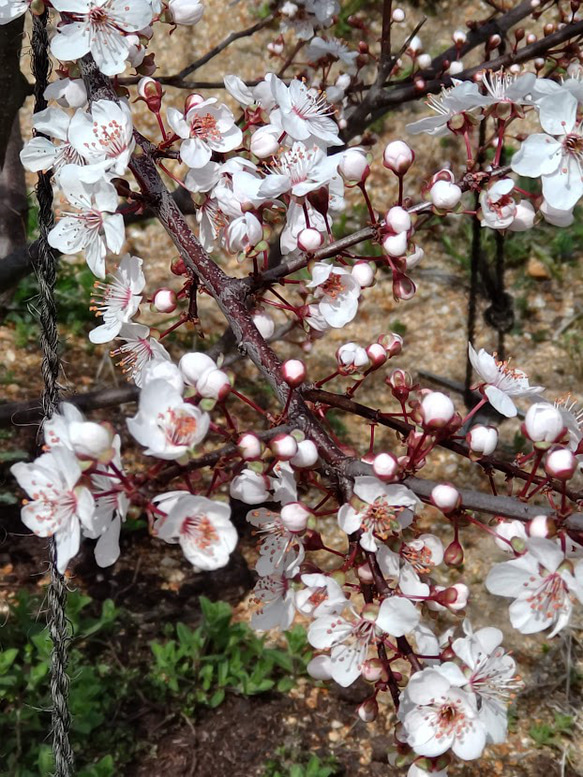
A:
{"x":46,"y":272}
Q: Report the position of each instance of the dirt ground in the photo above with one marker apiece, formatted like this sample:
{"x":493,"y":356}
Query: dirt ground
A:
{"x":156,"y":580}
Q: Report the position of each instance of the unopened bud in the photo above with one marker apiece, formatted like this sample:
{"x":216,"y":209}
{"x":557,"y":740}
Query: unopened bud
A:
{"x":376,"y":354}
{"x":445,"y":195}
{"x":151,"y":92}
{"x":453,"y":555}
{"x":398,"y":157}
{"x":561,"y":464}
{"x":437,"y":410}
{"x":294,"y":372}
{"x":403,"y":287}
{"x":446,"y":498}
{"x":368,"y":710}
{"x":250,"y":447}
{"x":284,"y":446}
{"x":164,"y":300}
{"x":385,"y":466}
{"x":373,"y":670}
{"x":353,"y":166}
{"x":482,"y":440}
{"x":398,"y":15}
{"x":364,"y":273}
{"x":542,"y":526}
{"x":307,"y":455}
{"x":294,"y":517}
{"x":310,"y":240}
{"x":392,"y":343}
{"x":398,"y":219}
{"x":192,"y":101}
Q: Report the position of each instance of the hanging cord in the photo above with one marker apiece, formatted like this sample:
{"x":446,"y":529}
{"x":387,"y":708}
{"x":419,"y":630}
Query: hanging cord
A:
{"x":46,"y":271}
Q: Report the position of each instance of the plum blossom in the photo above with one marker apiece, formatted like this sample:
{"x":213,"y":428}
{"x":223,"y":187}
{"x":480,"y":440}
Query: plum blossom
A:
{"x":303,"y":113}
{"x":322,"y":595}
{"x":338,"y":293}
{"x":491,"y":675}
{"x":138,"y":350}
{"x":69,"y":428}
{"x":556,"y":156}
{"x":58,"y":505}
{"x":300,"y":170}
{"x":205,"y":128}
{"x":68,"y":92}
{"x":96,"y":228}
{"x":502,"y":382}
{"x":201,"y":526}
{"x":280,"y":550}
{"x":274,"y":598}
{"x":463,"y":97}
{"x":118,"y":300}
{"x":498,"y":206}
{"x":250,"y":487}
{"x":542,"y":585}
{"x":40,"y":153}
{"x":379,"y":516}
{"x":438,"y":715}
{"x":111,"y":506}
{"x":168,"y":426}
{"x":304,"y":16}
{"x":104,"y":139}
{"x":349,"y":640}
{"x":332,"y":48}
{"x":99,"y":27}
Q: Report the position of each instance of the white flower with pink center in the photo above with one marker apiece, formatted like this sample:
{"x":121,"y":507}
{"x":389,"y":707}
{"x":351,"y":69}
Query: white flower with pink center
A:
{"x":40,"y":153}
{"x":168,"y":426}
{"x":463,"y":97}
{"x":498,"y":205}
{"x":201,"y":526}
{"x":437,"y":715}
{"x":386,"y":510}
{"x":541,"y":584}
{"x":502,"y":381}
{"x":99,"y":27}
{"x":96,"y":228}
{"x":138,"y":351}
{"x":58,"y":506}
{"x":280,"y":550}
{"x":491,"y":675}
{"x":337,"y":291}
{"x":274,"y":599}
{"x":303,"y":113}
{"x":349,"y":640}
{"x":207,"y":127}
{"x":111,"y":506}
{"x":118,"y":300}
{"x":322,"y":595}
{"x":104,"y":138}
{"x":299,"y":170}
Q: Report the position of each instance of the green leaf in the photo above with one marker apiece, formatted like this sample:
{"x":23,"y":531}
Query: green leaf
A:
{"x":217,"y":698}
{"x":7,"y":658}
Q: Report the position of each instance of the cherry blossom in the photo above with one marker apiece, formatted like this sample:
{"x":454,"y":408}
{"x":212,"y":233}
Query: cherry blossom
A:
{"x":96,"y":228}
{"x":111,"y":506}
{"x":280,"y":550}
{"x":463,"y":97}
{"x":68,"y":427}
{"x":104,"y":139}
{"x":99,"y":27}
{"x":438,"y":715}
{"x":541,"y":584}
{"x":498,"y":207}
{"x":338,"y":293}
{"x":201,"y":526}
{"x":168,"y":426}
{"x":502,"y":382}
{"x":274,"y":598}
{"x":321,"y":596}
{"x":303,"y":113}
{"x":299,"y":170}
{"x":138,"y":350}
{"x":206,"y":127}
{"x":40,"y":154}
{"x":118,"y":300}
{"x":59,"y":505}
{"x":379,"y":518}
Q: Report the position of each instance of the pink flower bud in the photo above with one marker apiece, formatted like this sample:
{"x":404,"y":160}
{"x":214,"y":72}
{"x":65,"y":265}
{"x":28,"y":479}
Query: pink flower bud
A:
{"x":164,"y":300}
{"x":543,"y":423}
{"x":307,"y":455}
{"x":445,"y":195}
{"x":437,"y":410}
{"x":395,"y":245}
{"x":373,"y":670}
{"x":351,"y":357}
{"x":364,"y":273}
{"x":284,"y":446}
{"x":398,"y":157}
{"x":398,"y":219}
{"x":424,"y":61}
{"x":561,"y":463}
{"x":482,"y":440}
{"x":403,"y":287}
{"x":456,"y":67}
{"x":353,"y":166}
{"x":310,"y":240}
{"x":459,"y":37}
{"x":416,"y":255}
{"x":192,"y":101}
{"x":453,"y":555}
{"x":250,"y":446}
{"x":392,"y":343}
{"x":294,"y":517}
{"x":151,"y":92}
{"x":368,"y":710}
{"x":398,"y":15}
{"x":446,"y":498}
{"x":376,"y":354}
{"x":214,"y":384}
{"x":415,"y":45}
{"x":523,"y":218}
{"x":385,"y":466}
{"x":294,"y":372}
